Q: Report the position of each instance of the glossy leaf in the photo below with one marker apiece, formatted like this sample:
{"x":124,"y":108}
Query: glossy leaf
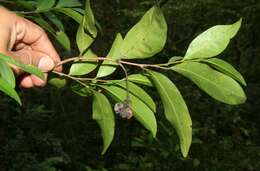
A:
{"x":71,"y":13}
{"x":90,"y":20}
{"x":141,"y":111}
{"x":175,"y":58}
{"x":27,"y":68}
{"x":140,"y":79}
{"x":9,"y":90}
{"x":80,"y":10}
{"x":45,"y":5}
{"x":83,"y":39}
{"x":104,"y":115}
{"x":212,"y":42}
{"x":140,"y":93}
{"x":63,"y":39}
{"x":175,"y":109}
{"x":216,"y":84}
{"x":84,"y":67}
{"x":108,"y":67}
{"x":147,"y":37}
{"x":226,"y":68}
{"x":57,"y":82}
{"x":7,"y":74}
{"x":68,"y":3}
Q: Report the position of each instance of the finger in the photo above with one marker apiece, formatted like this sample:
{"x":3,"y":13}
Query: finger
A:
{"x":27,"y":56}
{"x":19,"y":30}
{"x":20,"y":46}
{"x":7,"y":32}
{"x":39,"y":41}
{"x":26,"y":82}
{"x":37,"y":81}
{"x":29,"y":81}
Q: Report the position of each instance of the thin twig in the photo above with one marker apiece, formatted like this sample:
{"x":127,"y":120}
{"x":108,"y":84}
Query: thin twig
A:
{"x":82,"y":58}
{"x":121,"y":63}
{"x":126,"y":82}
{"x":27,"y":12}
{"x":71,"y":77}
{"x":93,"y":59}
{"x":80,"y":78}
{"x":142,"y":66}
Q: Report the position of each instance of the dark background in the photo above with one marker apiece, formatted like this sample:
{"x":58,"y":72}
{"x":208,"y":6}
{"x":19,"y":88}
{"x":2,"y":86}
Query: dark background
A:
{"x":53,"y":130}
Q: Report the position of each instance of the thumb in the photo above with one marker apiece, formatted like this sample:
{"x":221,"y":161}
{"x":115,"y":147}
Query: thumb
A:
{"x":30,"y":57}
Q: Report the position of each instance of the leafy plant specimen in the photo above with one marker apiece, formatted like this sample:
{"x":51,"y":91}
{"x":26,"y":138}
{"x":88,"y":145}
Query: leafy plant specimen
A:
{"x":145,"y":39}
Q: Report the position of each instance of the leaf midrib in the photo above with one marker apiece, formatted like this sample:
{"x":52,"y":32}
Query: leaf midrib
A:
{"x":142,"y":34}
{"x":203,"y":78}
{"x":204,"y":42}
{"x":164,"y":91}
{"x":198,"y":49}
{"x":102,"y":122}
{"x":237,"y":76}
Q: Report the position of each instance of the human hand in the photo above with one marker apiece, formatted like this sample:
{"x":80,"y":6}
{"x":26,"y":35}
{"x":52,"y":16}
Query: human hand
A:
{"x":27,"y":43}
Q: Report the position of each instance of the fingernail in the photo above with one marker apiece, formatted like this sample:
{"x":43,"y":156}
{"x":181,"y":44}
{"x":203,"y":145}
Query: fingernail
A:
{"x":46,"y":64}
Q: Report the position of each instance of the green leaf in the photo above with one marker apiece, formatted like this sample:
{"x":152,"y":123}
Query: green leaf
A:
{"x":90,"y":20}
{"x":7,"y":74}
{"x":108,"y":67}
{"x":226,"y":68}
{"x":57,"y":82}
{"x":71,"y":13}
{"x":27,"y":68}
{"x":147,"y":37}
{"x":175,"y":58}
{"x":83,"y":39}
{"x":218,"y":85}
{"x":80,"y":10}
{"x":175,"y":109}
{"x":9,"y":90}
{"x":55,"y":20}
{"x":85,"y":67}
{"x":45,"y":5}
{"x":32,"y":70}
{"x":140,"y":93}
{"x":141,"y":111}
{"x":82,"y":91}
{"x":44,"y":24}
{"x":212,"y":42}
{"x":68,"y":3}
{"x":63,"y":39}
{"x":104,"y":115}
{"x":140,"y":79}
{"x":28,"y":5}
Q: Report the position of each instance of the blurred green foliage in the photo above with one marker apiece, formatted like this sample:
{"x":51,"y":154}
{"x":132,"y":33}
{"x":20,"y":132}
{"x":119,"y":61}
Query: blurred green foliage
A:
{"x":53,"y":132}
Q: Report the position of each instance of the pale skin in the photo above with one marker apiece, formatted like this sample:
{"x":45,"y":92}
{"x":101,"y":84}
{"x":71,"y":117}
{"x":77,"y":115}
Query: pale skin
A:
{"x":27,"y":43}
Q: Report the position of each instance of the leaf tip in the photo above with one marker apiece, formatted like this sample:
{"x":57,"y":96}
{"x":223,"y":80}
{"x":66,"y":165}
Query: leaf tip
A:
{"x":154,"y":133}
{"x":185,"y":153}
{"x":237,"y":26}
{"x":185,"y":149}
{"x":104,"y":151}
{"x":243,"y":82}
{"x":19,"y":101}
